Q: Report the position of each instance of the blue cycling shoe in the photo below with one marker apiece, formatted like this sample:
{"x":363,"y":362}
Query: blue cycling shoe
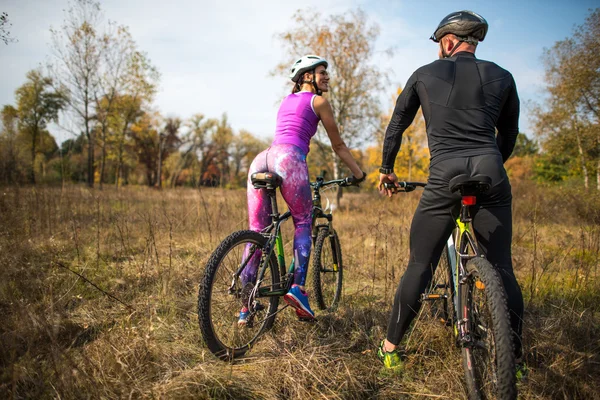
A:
{"x":244,"y":314}
{"x":298,"y":299}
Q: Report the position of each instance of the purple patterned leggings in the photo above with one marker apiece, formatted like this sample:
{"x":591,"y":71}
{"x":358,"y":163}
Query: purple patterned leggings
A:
{"x":289,"y":162}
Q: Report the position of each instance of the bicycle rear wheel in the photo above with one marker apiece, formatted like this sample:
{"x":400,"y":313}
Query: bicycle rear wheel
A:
{"x":220,"y":300}
{"x":488,"y":360}
{"x":327,"y":269}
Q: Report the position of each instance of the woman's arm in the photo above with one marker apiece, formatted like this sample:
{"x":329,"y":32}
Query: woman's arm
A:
{"x":325,"y":112}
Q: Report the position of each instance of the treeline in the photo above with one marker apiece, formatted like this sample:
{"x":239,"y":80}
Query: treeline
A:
{"x":100,"y":87}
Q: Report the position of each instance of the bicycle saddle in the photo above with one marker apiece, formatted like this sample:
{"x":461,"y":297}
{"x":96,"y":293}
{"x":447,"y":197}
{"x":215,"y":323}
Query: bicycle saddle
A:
{"x":470,"y":185}
{"x":265,"y":180}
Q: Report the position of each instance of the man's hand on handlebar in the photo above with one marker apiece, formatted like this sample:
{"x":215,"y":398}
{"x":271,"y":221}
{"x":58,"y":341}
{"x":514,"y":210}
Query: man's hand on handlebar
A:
{"x":389,"y":179}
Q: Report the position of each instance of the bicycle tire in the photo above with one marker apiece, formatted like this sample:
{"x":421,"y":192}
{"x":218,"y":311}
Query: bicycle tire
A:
{"x":441,"y":284}
{"x":489,"y":364}
{"x":213,"y":292}
{"x":327,"y":270}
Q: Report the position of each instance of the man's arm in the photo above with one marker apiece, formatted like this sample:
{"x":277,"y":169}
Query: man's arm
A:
{"x":508,"y":122}
{"x":407,"y":105}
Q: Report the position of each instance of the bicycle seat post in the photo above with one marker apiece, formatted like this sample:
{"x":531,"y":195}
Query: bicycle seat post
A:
{"x":275,"y":212}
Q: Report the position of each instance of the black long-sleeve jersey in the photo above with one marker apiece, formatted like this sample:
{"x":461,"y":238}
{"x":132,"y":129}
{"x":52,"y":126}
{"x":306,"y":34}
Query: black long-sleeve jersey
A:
{"x":464,"y":100}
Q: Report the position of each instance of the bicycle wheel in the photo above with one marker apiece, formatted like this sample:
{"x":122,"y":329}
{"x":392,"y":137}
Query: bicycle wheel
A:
{"x":327,"y":269}
{"x":220,"y":302}
{"x":488,"y":361}
{"x":441,"y":291}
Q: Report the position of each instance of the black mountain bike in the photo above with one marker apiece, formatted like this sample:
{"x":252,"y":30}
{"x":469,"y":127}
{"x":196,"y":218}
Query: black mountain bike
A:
{"x":222,"y":295}
{"x":473,"y":300}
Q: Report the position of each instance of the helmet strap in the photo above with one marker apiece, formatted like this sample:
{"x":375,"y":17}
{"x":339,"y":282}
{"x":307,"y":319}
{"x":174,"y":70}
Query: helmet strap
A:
{"x":314,"y":83}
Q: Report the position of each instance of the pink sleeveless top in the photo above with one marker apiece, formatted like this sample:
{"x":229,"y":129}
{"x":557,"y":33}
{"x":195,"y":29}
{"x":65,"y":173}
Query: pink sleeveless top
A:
{"x":296,"y":121}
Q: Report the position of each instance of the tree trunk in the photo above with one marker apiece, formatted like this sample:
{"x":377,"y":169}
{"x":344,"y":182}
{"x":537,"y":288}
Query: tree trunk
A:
{"x":598,"y":175}
{"x":159,"y":170}
{"x":32,"y":174}
{"x":581,"y":156}
{"x":119,"y":163}
{"x":90,"y":160}
{"x":336,"y":175}
{"x":103,"y":161}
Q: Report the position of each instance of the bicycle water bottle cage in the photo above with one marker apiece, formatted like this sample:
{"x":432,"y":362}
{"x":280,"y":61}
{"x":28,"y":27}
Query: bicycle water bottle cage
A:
{"x":265,"y":180}
{"x":470,"y":185}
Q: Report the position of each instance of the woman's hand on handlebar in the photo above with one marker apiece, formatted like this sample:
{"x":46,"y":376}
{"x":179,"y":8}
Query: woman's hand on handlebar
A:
{"x":354,"y":181}
{"x":387,"y":178}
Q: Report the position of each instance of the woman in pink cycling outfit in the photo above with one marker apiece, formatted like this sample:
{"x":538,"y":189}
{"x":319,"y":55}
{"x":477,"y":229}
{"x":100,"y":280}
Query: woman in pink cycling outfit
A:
{"x":297,"y":120}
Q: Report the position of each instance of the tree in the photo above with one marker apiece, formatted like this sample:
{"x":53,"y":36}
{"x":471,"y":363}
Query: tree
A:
{"x":347,"y":41}
{"x":525,"y":146}
{"x":4,"y":26}
{"x":128,"y":83}
{"x":222,"y":138}
{"x":168,"y":142}
{"x":572,"y":111}
{"x":37,"y":105}
{"x":9,"y":154}
{"x":139,"y":87}
{"x":244,"y":148}
{"x":78,"y":47}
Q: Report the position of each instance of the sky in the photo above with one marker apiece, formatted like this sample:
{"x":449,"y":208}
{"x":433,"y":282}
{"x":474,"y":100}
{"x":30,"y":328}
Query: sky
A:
{"x":216,"y":57}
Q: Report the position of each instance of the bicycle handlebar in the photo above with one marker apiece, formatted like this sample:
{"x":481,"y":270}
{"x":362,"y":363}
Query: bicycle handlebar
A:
{"x":404,"y":186}
{"x":339,"y":182}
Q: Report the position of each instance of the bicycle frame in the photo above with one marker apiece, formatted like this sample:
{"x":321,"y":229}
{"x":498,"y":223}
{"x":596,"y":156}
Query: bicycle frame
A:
{"x":462,"y":246}
{"x":275,"y":242}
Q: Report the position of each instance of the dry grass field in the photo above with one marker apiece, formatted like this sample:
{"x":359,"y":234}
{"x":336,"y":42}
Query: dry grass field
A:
{"x":98,"y":293}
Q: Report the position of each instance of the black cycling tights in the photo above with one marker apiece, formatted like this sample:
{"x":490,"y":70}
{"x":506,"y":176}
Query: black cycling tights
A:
{"x":432,"y":224}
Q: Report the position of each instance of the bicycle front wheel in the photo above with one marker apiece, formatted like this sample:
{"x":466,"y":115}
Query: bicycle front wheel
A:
{"x":221,"y":297}
{"x":441,"y":291}
{"x":488,"y":358}
{"x":327,"y":269}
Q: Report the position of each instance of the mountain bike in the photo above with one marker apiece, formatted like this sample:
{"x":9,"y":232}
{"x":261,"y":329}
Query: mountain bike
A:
{"x":473,"y":300}
{"x":221,"y":293}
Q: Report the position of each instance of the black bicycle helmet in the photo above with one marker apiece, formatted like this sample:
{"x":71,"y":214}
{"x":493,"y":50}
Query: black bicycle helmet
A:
{"x":468,"y":26}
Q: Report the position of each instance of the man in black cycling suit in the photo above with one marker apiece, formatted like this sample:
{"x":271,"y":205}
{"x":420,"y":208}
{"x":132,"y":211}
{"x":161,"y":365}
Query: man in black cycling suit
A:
{"x":464,"y":101}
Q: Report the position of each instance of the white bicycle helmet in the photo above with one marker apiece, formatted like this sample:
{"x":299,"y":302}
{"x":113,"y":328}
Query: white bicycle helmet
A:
{"x":305,"y":64}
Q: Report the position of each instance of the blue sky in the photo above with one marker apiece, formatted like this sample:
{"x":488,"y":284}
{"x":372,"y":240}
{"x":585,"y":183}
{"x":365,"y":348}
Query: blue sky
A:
{"x":215,"y":56}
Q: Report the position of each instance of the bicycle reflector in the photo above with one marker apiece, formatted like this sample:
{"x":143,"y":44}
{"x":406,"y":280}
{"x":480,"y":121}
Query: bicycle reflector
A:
{"x":469,"y":200}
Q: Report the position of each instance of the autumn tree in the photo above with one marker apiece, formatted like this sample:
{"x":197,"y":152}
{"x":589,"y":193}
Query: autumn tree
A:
{"x":119,"y":48}
{"x":569,"y":122}
{"x":145,"y":133}
{"x":347,"y":41}
{"x":244,"y":148}
{"x":78,"y":48}
{"x":37,"y":105}
{"x":139,"y":86}
{"x":168,"y":141}
{"x":412,"y":161}
{"x":222,"y":138}
{"x":199,"y":145}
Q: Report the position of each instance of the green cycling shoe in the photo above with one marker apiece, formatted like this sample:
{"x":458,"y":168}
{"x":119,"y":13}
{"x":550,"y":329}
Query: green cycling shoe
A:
{"x":521,"y":371}
{"x":390,"y":359}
